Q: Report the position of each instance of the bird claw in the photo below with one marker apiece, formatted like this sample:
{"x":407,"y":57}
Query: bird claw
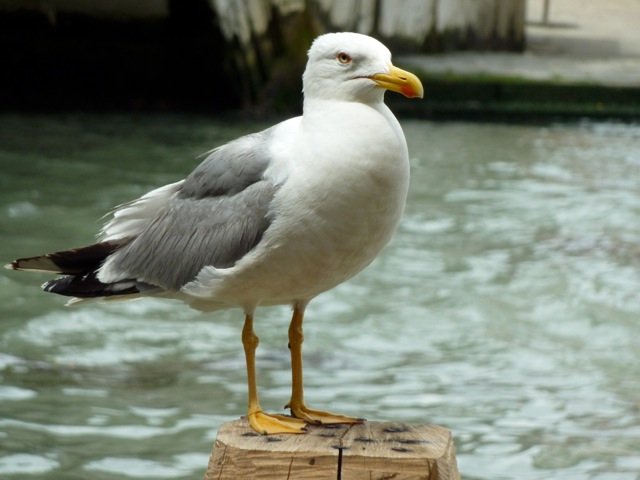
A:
{"x":267,"y":424}
{"x":319,"y":417}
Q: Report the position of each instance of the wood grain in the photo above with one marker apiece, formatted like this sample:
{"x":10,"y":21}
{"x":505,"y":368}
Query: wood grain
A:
{"x":368,"y":451}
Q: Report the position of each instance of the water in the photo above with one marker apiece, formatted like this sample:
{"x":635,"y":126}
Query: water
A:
{"x":506,"y":309}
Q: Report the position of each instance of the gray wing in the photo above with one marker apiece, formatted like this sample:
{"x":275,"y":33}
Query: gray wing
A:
{"x":230,"y":169}
{"x":217,"y":215}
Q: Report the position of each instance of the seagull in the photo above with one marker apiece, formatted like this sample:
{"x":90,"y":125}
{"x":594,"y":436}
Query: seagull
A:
{"x":271,"y":218}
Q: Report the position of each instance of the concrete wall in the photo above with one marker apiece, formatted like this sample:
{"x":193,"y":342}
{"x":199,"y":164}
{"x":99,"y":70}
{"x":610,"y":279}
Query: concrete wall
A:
{"x":260,"y":32}
{"x":214,"y":54}
{"x":425,"y":25}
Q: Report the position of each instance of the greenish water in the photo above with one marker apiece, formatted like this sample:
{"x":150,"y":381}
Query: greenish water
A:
{"x":506,"y":309}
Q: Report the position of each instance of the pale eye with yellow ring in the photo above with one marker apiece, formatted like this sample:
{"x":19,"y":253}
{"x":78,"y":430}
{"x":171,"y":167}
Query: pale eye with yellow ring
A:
{"x":344,"y":58}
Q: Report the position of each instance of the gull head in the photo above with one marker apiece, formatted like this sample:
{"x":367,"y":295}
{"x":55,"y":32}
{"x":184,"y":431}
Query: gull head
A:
{"x":354,"y":67}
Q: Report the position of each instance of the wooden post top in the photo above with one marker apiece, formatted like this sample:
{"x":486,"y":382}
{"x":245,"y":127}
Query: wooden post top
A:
{"x":367,"y":451}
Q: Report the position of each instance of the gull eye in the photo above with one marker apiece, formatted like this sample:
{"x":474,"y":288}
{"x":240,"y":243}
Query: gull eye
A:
{"x":344,"y":58}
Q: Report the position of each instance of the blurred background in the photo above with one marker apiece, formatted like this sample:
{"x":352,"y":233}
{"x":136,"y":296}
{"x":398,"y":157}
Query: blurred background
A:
{"x":211,"y":55}
{"x":215,"y":55}
{"x":506,"y":308}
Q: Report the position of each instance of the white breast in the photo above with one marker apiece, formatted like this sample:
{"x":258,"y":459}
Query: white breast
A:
{"x":338,"y":207}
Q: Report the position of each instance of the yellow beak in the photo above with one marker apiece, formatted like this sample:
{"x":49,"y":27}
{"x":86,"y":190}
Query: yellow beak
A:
{"x":400,"y":81}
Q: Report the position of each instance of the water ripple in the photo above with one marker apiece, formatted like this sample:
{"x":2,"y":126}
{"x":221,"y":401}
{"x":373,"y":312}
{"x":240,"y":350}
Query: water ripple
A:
{"x":506,"y":309}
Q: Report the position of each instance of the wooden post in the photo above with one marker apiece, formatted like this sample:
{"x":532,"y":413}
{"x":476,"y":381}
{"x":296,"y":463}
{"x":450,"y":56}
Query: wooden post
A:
{"x":368,"y":451}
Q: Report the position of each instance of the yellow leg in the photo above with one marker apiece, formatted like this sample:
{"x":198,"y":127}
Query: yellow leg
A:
{"x":297,"y":405}
{"x":259,"y":421}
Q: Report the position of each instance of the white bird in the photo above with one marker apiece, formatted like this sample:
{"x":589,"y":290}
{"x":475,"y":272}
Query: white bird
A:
{"x":276,"y":217}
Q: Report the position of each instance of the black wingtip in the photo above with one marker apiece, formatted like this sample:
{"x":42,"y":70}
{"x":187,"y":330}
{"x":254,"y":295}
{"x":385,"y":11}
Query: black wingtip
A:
{"x":88,"y":286}
{"x":57,"y":285}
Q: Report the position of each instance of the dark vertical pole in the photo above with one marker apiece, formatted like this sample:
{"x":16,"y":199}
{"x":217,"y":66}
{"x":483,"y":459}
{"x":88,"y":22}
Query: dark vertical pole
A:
{"x":545,"y":12}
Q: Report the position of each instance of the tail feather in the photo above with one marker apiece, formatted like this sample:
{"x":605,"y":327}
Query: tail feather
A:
{"x":80,"y":266}
{"x":75,"y":261}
